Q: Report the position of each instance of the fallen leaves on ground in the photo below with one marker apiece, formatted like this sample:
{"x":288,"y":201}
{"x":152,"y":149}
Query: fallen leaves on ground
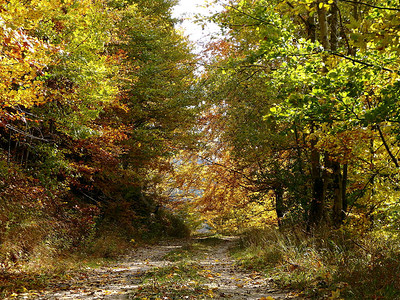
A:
{"x":149,"y":273}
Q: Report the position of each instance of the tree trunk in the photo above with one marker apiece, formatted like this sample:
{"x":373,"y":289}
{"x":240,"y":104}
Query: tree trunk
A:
{"x":323,"y":24}
{"x":299,"y":156}
{"x":279,"y":208}
{"x":334,"y":26}
{"x":317,"y":203}
{"x":344,"y":187}
{"x":318,"y":188}
{"x":337,"y":194}
{"x":328,"y":37}
{"x":356,"y":16}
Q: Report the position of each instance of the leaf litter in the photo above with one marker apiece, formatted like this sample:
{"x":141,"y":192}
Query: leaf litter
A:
{"x":200,"y":269}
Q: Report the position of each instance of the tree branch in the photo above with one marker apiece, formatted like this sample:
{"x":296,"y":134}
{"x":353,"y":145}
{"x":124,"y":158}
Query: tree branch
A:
{"x":361,"y":62}
{"x":371,"y":5}
{"x":250,"y":16}
{"x":299,"y":15}
{"x":227,"y":168}
{"x":394,"y":159}
{"x":26,"y":134}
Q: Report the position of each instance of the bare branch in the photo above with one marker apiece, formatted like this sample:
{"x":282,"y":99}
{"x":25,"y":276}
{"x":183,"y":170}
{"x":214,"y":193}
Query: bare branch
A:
{"x":13,"y":128}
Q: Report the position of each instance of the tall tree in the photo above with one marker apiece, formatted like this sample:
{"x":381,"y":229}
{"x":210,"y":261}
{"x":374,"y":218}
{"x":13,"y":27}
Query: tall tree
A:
{"x":95,"y":96}
{"x":314,"y":74}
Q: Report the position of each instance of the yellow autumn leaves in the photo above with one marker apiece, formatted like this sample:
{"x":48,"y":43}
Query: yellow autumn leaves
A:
{"x":22,"y":59}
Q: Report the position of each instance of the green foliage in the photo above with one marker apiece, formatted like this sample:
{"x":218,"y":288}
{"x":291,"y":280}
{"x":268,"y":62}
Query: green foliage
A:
{"x":95,"y":96}
{"x":304,"y":100}
{"x":183,"y":273}
{"x":186,"y":253}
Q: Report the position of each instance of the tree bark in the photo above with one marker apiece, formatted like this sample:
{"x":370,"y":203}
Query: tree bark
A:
{"x":323,"y":24}
{"x":385,"y":144}
{"x":318,"y":183}
{"x":279,"y":207}
{"x":344,"y":194}
{"x":334,"y":26}
{"x":339,"y":181}
{"x":337,"y":216}
{"x":318,"y":188}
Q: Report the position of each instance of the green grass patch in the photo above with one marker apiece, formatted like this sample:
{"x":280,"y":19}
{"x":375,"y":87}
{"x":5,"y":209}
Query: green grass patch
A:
{"x":13,"y":283}
{"x":173,"y":291}
{"x":194,"y":249}
{"x":181,"y":281}
{"x":210,"y":241}
{"x":37,"y":274}
{"x":186,"y":253}
{"x":176,"y":273}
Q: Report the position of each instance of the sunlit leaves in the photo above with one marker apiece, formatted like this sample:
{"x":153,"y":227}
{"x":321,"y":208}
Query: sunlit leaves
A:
{"x":22,"y":59}
{"x":280,"y":88}
{"x":101,"y":88}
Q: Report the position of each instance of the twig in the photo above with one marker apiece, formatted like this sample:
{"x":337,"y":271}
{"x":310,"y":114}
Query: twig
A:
{"x":371,"y":5}
{"x":26,"y":134}
{"x":394,"y":159}
{"x":361,"y":62}
{"x":250,"y":16}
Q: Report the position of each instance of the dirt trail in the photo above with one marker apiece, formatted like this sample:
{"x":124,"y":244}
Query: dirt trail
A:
{"x":206,"y":272}
{"x":234,"y":282}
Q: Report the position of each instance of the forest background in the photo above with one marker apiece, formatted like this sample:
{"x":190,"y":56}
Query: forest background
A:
{"x":291,"y":128}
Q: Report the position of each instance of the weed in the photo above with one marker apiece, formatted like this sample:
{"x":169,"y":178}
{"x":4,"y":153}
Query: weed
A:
{"x":108,"y":245}
{"x":181,"y":281}
{"x":181,"y":272}
{"x":186,"y":253}
{"x":194,"y":249}
{"x":210,"y":241}
{"x":324,"y":264}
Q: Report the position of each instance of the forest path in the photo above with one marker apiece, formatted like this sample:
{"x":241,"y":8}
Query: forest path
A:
{"x":199,"y":268}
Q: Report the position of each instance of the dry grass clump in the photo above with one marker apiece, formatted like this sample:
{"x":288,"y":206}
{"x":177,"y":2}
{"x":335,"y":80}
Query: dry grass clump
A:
{"x":329,"y":263}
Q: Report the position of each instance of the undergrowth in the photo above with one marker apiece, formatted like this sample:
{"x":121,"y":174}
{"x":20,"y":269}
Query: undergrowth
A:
{"x":184,"y":280}
{"x":337,"y":264}
{"x":46,"y":233}
{"x":37,"y":273}
{"x":32,"y":256}
{"x":193,"y":250}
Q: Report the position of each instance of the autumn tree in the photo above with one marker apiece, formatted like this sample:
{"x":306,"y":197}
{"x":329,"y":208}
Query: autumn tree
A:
{"x":96,"y":95}
{"x":307,"y":92}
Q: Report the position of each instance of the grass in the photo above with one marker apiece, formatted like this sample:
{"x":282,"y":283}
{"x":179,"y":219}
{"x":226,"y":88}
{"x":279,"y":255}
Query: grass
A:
{"x":193,"y":250}
{"x":46,"y":266}
{"x":181,"y":281}
{"x":335,"y":264}
{"x":210,"y":241}
{"x":11,"y":282}
{"x":174,"y":291}
{"x":184,"y":279}
{"x":186,"y":253}
{"x":37,"y":274}
{"x":181,"y":272}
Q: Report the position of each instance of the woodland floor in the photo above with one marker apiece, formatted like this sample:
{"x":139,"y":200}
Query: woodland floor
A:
{"x":199,"y":268}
